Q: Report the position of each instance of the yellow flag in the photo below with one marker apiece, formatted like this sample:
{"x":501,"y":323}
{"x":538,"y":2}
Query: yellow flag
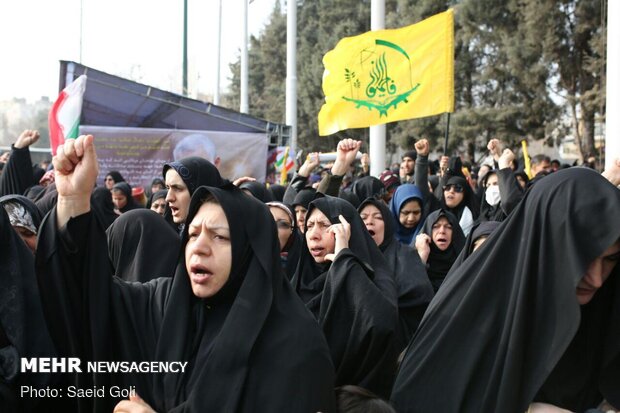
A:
{"x":388,"y":75}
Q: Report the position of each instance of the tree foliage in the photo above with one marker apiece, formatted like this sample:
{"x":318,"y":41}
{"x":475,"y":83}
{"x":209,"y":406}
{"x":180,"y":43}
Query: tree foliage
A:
{"x":521,"y":68}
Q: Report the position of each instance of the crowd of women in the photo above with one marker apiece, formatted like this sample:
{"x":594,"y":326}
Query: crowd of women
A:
{"x":425,"y":292}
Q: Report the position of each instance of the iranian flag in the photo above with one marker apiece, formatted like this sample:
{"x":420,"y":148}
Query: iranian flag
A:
{"x":64,"y":117}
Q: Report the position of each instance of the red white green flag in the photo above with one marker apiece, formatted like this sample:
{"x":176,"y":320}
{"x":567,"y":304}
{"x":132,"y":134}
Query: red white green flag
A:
{"x":64,"y":117}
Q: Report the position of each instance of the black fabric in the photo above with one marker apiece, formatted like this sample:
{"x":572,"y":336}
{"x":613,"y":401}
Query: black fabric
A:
{"x":46,"y":200}
{"x":33,"y":192}
{"x":255,"y":346}
{"x":116,"y":175}
{"x":125,"y":188}
{"x":161,"y":194}
{"x":23,"y":332}
{"x":16,"y":175}
{"x":413,"y":286}
{"x":258,"y":190}
{"x":142,"y":246}
{"x":368,"y":187}
{"x":195,"y":172}
{"x":30,"y":207}
{"x":101,"y":202}
{"x":439,"y":262}
{"x":354,"y":301}
{"x":469,"y":199}
{"x":277,"y":192}
{"x":506,"y":325}
{"x":304,"y":197}
{"x":510,"y":195}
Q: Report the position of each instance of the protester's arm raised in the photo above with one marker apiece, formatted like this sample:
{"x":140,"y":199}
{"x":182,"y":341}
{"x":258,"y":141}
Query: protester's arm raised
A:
{"x":76,"y":169}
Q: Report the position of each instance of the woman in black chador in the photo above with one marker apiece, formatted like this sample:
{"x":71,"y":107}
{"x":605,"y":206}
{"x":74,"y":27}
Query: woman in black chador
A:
{"x":533,"y":317}
{"x":228,"y":312}
{"x":414,"y":288}
{"x":345,"y":282}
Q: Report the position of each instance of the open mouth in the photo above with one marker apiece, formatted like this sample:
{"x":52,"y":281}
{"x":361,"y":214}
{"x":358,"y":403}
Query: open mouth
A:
{"x":200,"y":274}
{"x":317,"y":251}
{"x":371,"y":232}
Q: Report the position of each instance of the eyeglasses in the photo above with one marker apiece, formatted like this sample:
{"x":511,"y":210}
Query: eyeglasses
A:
{"x":456,"y":187}
{"x":281,"y":224}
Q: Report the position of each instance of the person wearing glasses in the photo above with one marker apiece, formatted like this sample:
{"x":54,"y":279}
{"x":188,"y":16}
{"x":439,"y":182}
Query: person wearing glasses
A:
{"x":458,"y":198}
{"x":112,"y":178}
{"x":288,"y":236}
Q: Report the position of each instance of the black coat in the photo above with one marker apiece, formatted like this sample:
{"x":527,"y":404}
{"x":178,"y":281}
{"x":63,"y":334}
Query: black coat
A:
{"x":506,"y":329}
{"x":252,"y":345}
{"x":354,"y":301}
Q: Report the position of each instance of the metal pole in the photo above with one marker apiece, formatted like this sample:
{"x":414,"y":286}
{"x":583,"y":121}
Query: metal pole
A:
{"x":216,"y":96}
{"x":243,"y":106}
{"x":612,"y":127}
{"x":184,"y":47}
{"x":445,"y":145}
{"x":377,"y":133}
{"x":291,"y":72}
{"x":81,"y":27}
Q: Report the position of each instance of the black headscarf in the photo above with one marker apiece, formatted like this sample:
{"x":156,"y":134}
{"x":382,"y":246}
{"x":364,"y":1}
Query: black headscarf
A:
{"x":506,"y":328}
{"x":252,"y":344}
{"x":439,"y":262}
{"x":116,"y":175}
{"x":142,"y":246}
{"x":354,"y":301}
{"x":23,"y":332}
{"x":304,"y":197}
{"x":277,"y":192}
{"x":469,"y":199}
{"x":195,"y":172}
{"x":258,"y":190}
{"x":29,"y":207}
{"x":161,"y":194}
{"x":126,"y":190}
{"x":101,"y":202}
{"x":368,"y":187}
{"x":481,"y":229}
{"x":414,"y":288}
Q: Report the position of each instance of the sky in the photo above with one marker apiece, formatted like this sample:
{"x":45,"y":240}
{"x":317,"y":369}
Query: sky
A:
{"x":138,"y":39}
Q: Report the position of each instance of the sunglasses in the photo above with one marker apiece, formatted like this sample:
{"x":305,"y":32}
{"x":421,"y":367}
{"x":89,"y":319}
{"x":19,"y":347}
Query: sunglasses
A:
{"x":456,"y":187}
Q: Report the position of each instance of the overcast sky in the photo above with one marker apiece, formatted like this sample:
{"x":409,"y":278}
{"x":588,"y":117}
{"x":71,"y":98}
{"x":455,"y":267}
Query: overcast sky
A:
{"x":140,"y":39}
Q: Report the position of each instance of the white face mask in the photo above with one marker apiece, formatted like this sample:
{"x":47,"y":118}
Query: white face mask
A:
{"x":492,"y":195}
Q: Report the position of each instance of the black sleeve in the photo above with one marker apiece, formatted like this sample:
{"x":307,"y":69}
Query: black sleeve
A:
{"x":17,"y":173}
{"x":509,"y":190}
{"x":297,"y":184}
{"x":330,"y":184}
{"x":421,"y":175}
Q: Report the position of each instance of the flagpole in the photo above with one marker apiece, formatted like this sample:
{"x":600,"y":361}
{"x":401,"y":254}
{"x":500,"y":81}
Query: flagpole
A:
{"x":445,"y":145}
{"x":243,"y":99}
{"x":612,"y":121}
{"x":184,"y":47}
{"x":291,"y":72}
{"x":377,"y":133}
{"x":216,"y":97}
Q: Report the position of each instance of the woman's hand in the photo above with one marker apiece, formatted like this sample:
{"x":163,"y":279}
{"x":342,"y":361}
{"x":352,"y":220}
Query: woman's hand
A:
{"x":423,"y":246}
{"x":342,"y":232}
{"x":545,"y":408}
{"x":135,"y":404}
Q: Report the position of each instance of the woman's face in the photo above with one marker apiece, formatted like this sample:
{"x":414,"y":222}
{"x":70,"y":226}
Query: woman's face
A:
{"x":284,"y":224}
{"x":109,"y":181}
{"x":597,"y":273}
{"x":442,"y":233}
{"x":159,"y":206}
{"x":208,"y":253}
{"x":119,"y":199}
{"x":29,"y":237}
{"x":373,"y":220}
{"x":178,"y":196}
{"x":300,"y":217}
{"x":320,"y":241}
{"x":453,"y":194}
{"x":410,"y":214}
